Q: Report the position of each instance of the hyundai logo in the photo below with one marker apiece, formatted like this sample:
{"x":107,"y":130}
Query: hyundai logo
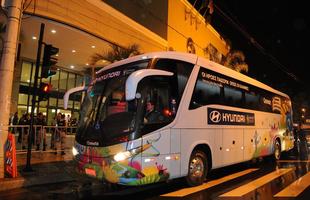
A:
{"x":215,"y":116}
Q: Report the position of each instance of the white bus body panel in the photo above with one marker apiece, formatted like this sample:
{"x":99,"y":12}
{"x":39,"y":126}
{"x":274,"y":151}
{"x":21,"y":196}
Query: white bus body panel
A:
{"x":160,"y":152}
{"x":228,"y":144}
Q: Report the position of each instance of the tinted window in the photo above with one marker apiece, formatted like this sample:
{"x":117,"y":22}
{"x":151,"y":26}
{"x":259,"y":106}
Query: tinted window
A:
{"x":232,"y":96}
{"x":205,"y":93}
{"x":251,"y":100}
{"x":214,"y":88}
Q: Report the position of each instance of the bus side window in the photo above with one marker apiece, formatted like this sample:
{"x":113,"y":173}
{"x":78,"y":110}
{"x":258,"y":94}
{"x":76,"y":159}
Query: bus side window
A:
{"x":204,"y":94}
{"x":251,"y":100}
{"x":233,"y":97}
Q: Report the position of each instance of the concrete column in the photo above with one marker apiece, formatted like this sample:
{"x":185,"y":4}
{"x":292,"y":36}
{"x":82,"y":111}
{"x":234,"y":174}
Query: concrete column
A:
{"x":6,"y":72}
{"x":15,"y":87}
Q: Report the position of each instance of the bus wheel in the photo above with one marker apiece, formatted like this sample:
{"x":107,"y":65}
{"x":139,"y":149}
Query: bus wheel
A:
{"x":197,"y":168}
{"x":277,"y":150}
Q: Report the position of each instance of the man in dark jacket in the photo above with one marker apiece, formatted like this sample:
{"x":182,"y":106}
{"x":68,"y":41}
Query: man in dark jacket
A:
{"x":40,"y":131}
{"x":24,"y":131}
{"x":61,"y":133}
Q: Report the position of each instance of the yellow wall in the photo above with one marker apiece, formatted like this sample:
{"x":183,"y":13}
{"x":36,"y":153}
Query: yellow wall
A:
{"x":100,"y":19}
{"x":184,"y":22}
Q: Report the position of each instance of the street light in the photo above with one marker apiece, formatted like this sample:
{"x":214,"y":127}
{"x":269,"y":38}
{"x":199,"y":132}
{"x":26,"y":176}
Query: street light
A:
{"x":303,"y":114}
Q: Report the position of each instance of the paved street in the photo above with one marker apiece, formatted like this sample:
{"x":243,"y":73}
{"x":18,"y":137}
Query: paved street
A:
{"x":285,"y":179}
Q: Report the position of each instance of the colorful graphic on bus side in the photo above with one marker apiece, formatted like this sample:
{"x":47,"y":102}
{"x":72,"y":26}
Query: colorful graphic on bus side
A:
{"x":99,"y":162}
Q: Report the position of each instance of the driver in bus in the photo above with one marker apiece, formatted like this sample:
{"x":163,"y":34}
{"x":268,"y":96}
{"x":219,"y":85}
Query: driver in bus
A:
{"x":152,"y":115}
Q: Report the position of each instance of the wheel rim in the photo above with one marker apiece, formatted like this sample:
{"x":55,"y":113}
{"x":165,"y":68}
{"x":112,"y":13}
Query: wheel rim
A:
{"x":277,"y":151}
{"x":196,"y":168}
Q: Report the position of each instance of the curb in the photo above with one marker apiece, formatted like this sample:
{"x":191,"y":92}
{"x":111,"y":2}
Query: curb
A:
{"x":11,"y":183}
{"x":44,"y":174}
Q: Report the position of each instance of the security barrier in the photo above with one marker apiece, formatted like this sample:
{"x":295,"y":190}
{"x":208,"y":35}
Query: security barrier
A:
{"x":44,"y":138}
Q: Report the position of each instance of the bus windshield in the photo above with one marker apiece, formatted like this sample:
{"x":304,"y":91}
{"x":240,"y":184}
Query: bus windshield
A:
{"x":107,"y":118}
{"x":105,"y":113}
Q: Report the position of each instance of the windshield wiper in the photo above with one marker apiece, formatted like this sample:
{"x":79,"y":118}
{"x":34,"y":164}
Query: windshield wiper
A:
{"x":100,"y":102}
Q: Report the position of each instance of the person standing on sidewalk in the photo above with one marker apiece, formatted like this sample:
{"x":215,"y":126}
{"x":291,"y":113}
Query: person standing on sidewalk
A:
{"x":61,"y":133}
{"x":14,"y":121}
{"x":25,"y":121}
{"x":20,"y":129}
{"x":40,"y":132}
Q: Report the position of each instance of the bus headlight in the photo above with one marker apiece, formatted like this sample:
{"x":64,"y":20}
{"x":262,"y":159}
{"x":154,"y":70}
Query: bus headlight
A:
{"x":122,"y":156}
{"x":74,"y":151}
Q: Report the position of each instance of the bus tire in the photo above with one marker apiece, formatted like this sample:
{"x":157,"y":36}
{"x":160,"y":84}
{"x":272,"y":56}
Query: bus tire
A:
{"x":277,"y":150}
{"x":197,"y":168}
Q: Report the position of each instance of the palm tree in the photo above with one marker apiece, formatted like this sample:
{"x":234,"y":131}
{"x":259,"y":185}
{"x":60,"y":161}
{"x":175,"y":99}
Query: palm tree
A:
{"x":213,"y":54}
{"x":236,"y":61}
{"x":117,"y":53}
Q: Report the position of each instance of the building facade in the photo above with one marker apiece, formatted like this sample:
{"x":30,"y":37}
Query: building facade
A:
{"x":82,"y":28}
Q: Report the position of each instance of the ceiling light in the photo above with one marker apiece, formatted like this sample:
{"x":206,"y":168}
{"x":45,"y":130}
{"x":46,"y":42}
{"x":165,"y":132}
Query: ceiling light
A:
{"x":56,"y":55}
{"x":73,"y":51}
{"x":34,"y":37}
{"x":53,"y":31}
{"x":87,"y":64}
{"x":93,"y":46}
{"x":72,"y":66}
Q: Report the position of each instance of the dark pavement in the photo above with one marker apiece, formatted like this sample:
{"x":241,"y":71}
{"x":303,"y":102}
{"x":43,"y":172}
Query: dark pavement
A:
{"x":47,"y":168}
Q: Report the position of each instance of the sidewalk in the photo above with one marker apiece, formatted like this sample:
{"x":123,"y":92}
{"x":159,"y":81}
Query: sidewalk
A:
{"x":48,"y":168}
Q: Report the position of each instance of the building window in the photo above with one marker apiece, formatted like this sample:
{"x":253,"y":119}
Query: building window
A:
{"x":61,"y":82}
{"x":26,"y":73}
{"x":71,"y":81}
{"x":54,"y":81}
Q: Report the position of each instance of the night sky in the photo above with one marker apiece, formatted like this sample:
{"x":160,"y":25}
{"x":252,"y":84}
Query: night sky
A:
{"x":281,"y":28}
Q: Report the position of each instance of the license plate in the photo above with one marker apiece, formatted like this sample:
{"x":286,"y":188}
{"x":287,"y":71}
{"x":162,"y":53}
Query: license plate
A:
{"x":90,"y":172}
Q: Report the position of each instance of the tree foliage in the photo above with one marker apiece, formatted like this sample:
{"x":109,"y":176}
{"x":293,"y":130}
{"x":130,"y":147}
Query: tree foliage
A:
{"x":236,"y":61}
{"x":116,"y":53}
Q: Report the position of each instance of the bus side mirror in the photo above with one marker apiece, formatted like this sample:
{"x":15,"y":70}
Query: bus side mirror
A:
{"x":134,"y":79}
{"x":71,"y":91}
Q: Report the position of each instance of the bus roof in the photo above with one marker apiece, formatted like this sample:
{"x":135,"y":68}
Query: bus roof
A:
{"x":187,"y":57}
{"x":192,"y":58}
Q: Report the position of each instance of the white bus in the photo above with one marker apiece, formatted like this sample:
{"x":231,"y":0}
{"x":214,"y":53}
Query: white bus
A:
{"x":205,"y":116}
